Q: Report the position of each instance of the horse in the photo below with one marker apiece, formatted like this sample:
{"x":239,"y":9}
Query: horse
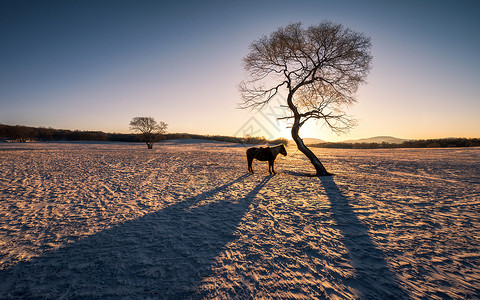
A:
{"x":265,"y":154}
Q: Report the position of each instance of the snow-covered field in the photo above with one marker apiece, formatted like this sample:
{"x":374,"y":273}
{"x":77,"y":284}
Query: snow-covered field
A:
{"x":185,"y":220}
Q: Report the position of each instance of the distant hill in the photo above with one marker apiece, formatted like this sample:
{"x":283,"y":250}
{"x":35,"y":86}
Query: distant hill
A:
{"x":377,"y":139}
{"x":310,"y":141}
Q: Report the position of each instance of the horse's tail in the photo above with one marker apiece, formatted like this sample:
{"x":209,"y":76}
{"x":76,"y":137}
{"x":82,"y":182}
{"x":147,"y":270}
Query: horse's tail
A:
{"x":250,"y":156}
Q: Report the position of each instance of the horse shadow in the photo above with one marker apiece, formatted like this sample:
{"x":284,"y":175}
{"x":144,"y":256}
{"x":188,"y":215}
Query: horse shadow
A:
{"x":373,"y":278}
{"x":164,"y":254}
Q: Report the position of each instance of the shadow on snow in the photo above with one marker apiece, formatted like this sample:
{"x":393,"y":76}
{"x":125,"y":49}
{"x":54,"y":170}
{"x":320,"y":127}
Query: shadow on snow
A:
{"x":373,"y":279}
{"x":167,"y":253}
{"x":163,"y":254}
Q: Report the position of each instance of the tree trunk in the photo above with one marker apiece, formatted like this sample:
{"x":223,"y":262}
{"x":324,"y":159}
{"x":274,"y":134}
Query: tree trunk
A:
{"x":321,"y":171}
{"x":319,"y":168}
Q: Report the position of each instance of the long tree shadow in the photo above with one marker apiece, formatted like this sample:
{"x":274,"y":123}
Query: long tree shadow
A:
{"x":164,"y":254}
{"x":373,"y":279}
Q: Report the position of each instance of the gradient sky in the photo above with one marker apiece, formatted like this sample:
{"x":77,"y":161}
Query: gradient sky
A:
{"x":94,"y":65}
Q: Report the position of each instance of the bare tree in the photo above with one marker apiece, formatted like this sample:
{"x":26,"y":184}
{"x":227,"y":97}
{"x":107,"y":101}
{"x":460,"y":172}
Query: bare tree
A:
{"x":148,"y":128}
{"x":319,"y":69}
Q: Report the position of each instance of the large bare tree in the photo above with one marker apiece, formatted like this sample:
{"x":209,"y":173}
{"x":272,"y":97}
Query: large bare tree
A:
{"x":148,"y":128}
{"x":319,"y":68}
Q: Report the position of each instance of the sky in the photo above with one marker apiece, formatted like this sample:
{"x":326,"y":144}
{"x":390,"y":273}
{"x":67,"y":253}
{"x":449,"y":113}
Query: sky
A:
{"x":94,"y":65}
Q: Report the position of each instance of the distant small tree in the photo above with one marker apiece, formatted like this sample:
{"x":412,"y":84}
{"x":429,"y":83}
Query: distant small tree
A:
{"x":318,"y":68}
{"x":148,"y":129}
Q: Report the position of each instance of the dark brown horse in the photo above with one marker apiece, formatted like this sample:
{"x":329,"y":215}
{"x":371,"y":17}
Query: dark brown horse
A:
{"x":265,"y":154}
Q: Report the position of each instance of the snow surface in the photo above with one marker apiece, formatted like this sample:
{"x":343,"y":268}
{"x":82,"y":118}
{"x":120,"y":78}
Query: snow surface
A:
{"x":185,"y":220}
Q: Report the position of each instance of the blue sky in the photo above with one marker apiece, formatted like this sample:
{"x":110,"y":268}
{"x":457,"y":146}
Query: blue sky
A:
{"x":94,"y":65}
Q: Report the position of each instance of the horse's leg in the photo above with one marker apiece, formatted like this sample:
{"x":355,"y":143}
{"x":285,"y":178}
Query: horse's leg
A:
{"x":273,"y":167}
{"x":270,"y":167}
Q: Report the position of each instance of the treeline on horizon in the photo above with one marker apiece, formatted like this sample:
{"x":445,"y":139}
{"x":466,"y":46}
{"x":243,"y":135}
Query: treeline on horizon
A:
{"x":429,"y":143}
{"x":19,"y":133}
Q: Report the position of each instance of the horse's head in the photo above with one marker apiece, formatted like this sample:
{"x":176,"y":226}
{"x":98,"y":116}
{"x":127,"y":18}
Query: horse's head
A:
{"x":283,"y":150}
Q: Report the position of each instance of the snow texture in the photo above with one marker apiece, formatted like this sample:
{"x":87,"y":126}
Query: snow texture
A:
{"x":186,"y":221}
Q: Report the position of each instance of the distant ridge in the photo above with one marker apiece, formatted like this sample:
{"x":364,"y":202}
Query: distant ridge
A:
{"x":310,"y":141}
{"x":377,"y":139}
